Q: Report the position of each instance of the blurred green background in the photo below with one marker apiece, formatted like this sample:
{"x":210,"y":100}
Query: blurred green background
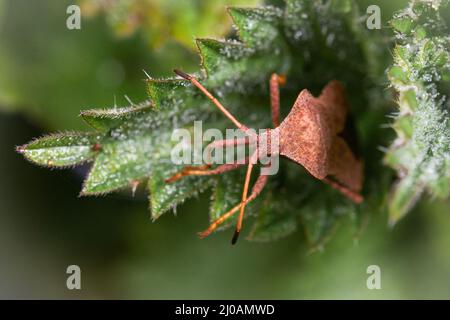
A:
{"x":48,"y":73}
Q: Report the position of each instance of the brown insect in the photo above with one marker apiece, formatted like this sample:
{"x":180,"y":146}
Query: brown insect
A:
{"x":310,"y":135}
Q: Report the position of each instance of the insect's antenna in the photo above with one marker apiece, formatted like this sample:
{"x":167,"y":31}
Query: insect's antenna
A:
{"x":212,"y":98}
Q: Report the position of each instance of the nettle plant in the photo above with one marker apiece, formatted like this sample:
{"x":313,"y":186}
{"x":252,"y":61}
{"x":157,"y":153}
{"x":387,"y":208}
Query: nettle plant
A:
{"x":311,"y":43}
{"x":421,"y":75}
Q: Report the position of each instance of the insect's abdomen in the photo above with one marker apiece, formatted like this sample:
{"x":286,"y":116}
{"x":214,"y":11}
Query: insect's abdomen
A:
{"x":304,"y":136}
{"x":311,"y":135}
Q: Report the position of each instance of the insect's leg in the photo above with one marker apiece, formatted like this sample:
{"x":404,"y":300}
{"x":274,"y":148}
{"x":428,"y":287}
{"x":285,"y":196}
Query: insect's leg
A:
{"x":352,"y":195}
{"x":203,"y":171}
{"x":212,"y":98}
{"x":248,"y":175}
{"x":346,"y":170}
{"x":275,"y":82}
{"x":256,"y":190}
{"x":224,"y":143}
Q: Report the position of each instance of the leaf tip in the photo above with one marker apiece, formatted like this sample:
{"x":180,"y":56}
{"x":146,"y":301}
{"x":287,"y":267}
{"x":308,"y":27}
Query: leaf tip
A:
{"x":82,"y":193}
{"x":21,"y":149}
{"x":134,"y":184}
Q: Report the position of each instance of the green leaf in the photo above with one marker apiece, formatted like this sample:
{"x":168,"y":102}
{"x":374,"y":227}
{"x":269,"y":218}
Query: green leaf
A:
{"x":62,"y":149}
{"x":124,"y":154}
{"x":165,"y":196}
{"x":257,"y":27}
{"x":276,"y":219}
{"x":227,"y":194}
{"x":129,"y":149}
{"x":216,"y":53}
{"x":161,"y":92}
{"x":405,"y":195}
{"x":403,"y":25}
{"x":320,"y":214}
{"x":105,"y":119}
{"x":398,"y":76}
{"x":117,"y":166}
{"x":421,"y":151}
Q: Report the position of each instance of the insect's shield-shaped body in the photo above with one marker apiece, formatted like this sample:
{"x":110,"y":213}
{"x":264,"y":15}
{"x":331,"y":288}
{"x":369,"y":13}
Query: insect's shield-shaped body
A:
{"x":311,"y":136}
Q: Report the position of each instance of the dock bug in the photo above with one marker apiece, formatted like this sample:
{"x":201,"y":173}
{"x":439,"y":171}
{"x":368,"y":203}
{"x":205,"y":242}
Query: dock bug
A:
{"x":311,"y":135}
